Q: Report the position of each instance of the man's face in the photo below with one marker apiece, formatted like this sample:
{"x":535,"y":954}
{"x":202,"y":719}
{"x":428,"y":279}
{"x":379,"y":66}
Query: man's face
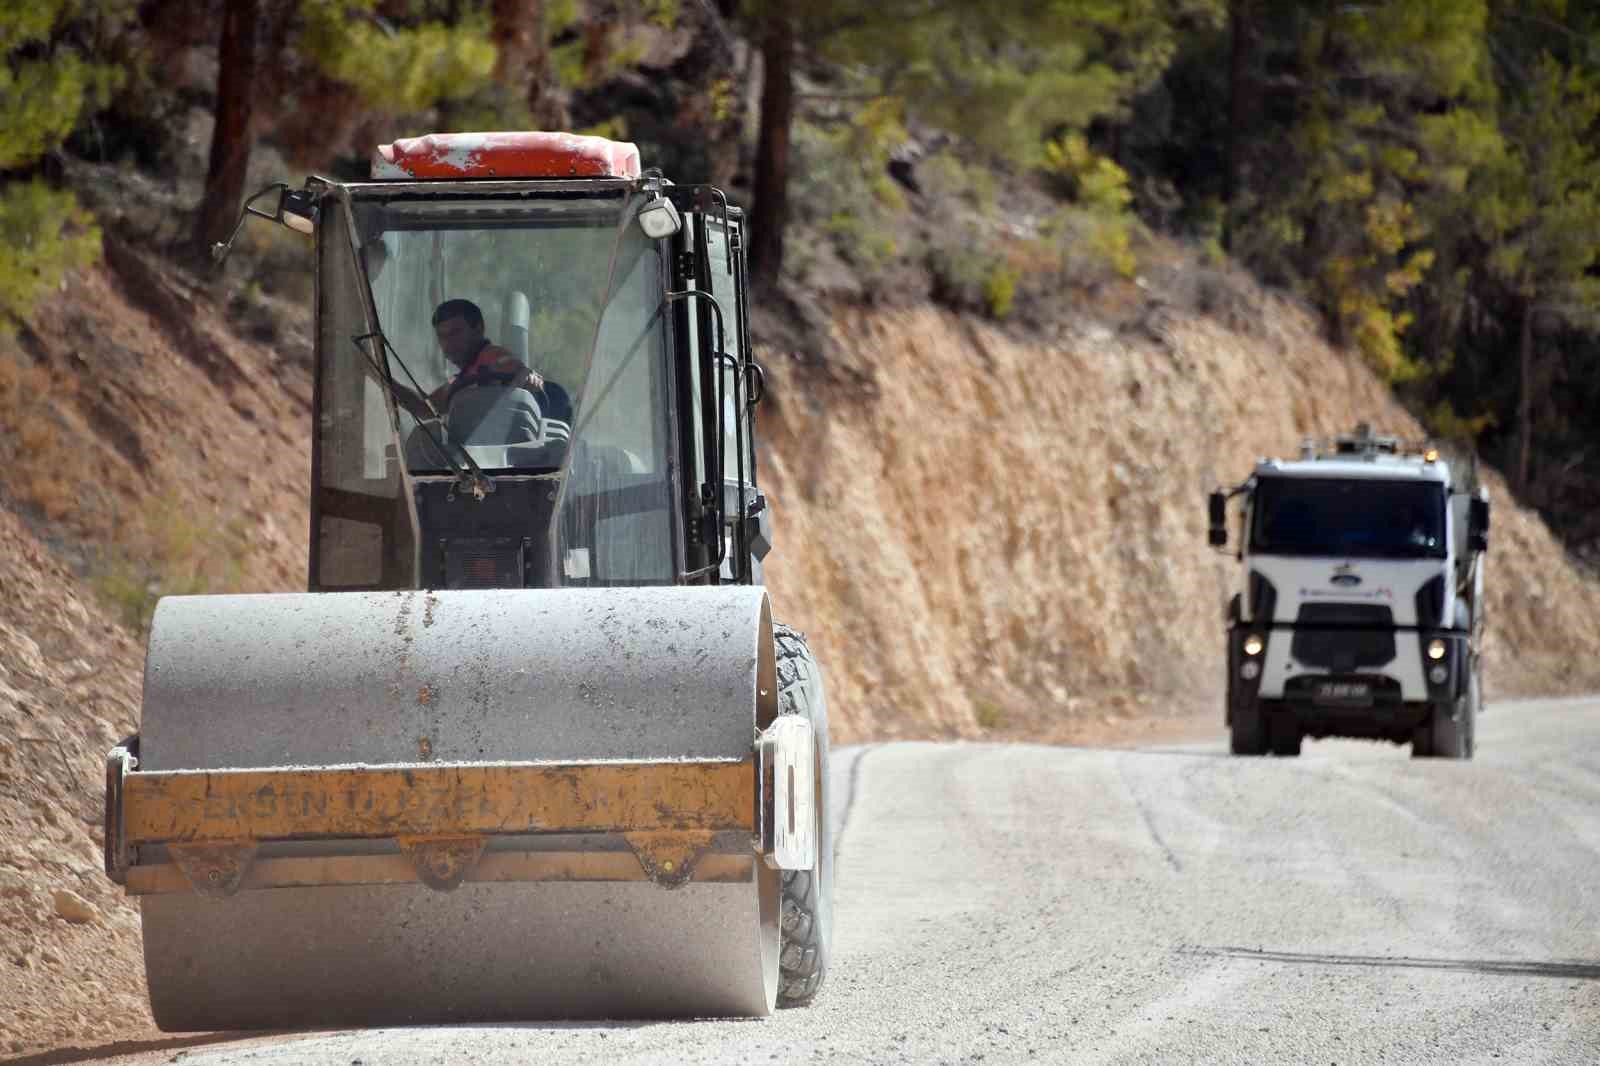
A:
{"x":458,"y":340}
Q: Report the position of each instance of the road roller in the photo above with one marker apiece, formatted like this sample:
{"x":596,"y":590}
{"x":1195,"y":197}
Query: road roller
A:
{"x":531,"y":745}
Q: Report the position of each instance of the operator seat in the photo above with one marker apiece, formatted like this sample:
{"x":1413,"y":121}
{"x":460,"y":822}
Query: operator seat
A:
{"x":554,"y":403}
{"x":514,"y":325}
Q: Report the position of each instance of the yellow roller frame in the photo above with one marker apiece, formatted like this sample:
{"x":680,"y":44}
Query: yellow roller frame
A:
{"x":441,"y":816}
{"x":468,"y":799}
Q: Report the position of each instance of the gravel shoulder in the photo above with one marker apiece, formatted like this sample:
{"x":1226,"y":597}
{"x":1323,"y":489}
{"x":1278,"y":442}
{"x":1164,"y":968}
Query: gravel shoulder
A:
{"x":1006,"y":903}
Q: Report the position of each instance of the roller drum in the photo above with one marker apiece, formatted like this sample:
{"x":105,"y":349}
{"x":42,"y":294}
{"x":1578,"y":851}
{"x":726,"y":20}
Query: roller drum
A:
{"x":306,"y":681}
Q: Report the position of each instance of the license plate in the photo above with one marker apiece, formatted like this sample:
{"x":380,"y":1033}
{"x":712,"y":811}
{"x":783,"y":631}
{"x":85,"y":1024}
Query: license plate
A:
{"x":1344,"y":691}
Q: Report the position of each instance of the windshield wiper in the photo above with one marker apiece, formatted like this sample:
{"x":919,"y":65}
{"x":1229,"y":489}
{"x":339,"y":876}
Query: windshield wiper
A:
{"x":469,"y":476}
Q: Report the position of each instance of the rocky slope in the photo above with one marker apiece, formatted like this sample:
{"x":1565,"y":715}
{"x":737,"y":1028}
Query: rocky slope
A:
{"x":987,"y":534}
{"x":984,"y":533}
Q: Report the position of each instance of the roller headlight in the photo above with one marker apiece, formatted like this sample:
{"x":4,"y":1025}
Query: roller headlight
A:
{"x":1253,"y":645}
{"x":1436,"y":649}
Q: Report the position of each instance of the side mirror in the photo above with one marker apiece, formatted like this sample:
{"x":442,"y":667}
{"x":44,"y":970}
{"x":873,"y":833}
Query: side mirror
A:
{"x":1217,"y":535}
{"x":296,"y":209}
{"x":1478,"y":524}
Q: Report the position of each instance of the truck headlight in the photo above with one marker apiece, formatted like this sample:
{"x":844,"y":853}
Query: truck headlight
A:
{"x":1249,"y":670}
{"x":1436,"y":649}
{"x":1253,"y":645}
{"x":1438,"y":674}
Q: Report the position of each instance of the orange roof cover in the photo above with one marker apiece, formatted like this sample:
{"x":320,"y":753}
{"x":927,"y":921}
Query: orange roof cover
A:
{"x":506,"y":155}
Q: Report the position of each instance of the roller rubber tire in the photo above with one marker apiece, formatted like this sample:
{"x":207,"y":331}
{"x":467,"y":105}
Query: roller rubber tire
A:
{"x":807,"y":905}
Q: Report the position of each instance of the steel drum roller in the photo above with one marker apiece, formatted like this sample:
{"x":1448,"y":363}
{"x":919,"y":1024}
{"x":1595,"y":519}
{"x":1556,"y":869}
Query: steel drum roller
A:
{"x":663,"y":680}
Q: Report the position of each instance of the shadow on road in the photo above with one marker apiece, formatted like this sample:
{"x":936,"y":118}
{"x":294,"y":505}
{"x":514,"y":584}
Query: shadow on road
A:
{"x":1585,"y":971}
{"x":65,"y":1056}
{"x":62,"y":1055}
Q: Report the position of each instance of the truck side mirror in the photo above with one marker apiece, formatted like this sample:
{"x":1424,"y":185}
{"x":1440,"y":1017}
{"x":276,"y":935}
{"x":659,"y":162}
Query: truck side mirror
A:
{"x":1478,"y":524}
{"x":1217,"y":535}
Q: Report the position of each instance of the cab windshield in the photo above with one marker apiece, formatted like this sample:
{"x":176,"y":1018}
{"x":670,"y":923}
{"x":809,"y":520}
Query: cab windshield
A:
{"x":571,"y":297}
{"x":570,"y":289}
{"x":1351,"y":517}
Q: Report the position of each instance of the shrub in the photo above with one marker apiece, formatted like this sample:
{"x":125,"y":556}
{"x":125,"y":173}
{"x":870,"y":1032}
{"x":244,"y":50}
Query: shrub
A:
{"x":169,"y":549}
{"x":48,"y":234}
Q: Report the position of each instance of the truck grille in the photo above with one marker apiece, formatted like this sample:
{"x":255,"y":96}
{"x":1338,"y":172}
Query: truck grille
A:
{"x":1343,"y":637}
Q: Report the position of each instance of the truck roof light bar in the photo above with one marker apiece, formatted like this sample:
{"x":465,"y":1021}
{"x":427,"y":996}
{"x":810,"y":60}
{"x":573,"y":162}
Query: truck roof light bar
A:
{"x":1364,"y":444}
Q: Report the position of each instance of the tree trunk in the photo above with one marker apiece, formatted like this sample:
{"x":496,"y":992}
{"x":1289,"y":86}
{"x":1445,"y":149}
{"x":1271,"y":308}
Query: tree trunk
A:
{"x":516,"y":31}
{"x":231,"y":140}
{"x":1525,"y":400}
{"x":770,"y":212}
{"x":1241,"y":108}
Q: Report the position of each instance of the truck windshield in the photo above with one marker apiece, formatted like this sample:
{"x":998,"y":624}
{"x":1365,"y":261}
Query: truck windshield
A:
{"x":1353,"y":517}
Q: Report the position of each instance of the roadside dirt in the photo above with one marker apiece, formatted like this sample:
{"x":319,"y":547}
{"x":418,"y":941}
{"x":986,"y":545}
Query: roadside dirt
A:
{"x":135,"y":423}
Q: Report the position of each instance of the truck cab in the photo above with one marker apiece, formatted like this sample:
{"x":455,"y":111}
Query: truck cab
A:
{"x":1359,"y":610}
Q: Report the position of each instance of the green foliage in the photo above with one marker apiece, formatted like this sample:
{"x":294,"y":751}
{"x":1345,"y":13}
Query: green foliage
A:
{"x":1543,"y":207}
{"x":1394,"y":115}
{"x":397,"y":69}
{"x":41,"y":99}
{"x":839,"y":185}
{"x":960,"y":265}
{"x":1092,"y":243}
{"x":47,"y":84}
{"x":988,"y":713}
{"x":1092,"y":180}
{"x":1426,"y":175}
{"x":1000,"y":290}
{"x":1445,"y":424}
{"x":1006,"y":75}
{"x":169,"y":549}
{"x":46,"y":234}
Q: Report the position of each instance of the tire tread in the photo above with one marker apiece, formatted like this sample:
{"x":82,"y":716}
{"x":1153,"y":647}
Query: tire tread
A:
{"x":802,"y":960}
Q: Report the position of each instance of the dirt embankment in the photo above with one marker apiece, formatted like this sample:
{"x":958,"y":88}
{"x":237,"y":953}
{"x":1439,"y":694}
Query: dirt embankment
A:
{"x":984,"y":535}
{"x":133,"y":426}
{"x":992,"y":536}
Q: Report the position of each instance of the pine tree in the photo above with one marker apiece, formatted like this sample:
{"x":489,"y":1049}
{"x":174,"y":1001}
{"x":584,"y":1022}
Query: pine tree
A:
{"x":48,"y":80}
{"x":1381,"y":95}
{"x":356,"y":63}
{"x":1008,"y":76}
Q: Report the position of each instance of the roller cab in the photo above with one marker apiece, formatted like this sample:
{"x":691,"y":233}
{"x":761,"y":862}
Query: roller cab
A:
{"x":522,"y":749}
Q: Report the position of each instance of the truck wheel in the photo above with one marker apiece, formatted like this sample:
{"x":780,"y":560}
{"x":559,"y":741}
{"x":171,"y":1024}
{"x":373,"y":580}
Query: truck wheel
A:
{"x":1443,"y":736}
{"x":807,"y":906}
{"x":1283,"y":734}
{"x":1474,"y":706}
{"x":1247,"y":730}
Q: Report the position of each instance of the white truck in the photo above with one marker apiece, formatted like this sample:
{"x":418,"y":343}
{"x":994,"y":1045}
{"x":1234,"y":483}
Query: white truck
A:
{"x":1360,"y":606}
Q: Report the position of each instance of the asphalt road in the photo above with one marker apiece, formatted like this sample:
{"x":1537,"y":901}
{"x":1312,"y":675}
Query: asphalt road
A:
{"x":1008,"y":904}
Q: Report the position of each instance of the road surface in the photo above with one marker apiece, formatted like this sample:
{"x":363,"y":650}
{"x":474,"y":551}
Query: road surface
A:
{"x":1007,"y":904}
